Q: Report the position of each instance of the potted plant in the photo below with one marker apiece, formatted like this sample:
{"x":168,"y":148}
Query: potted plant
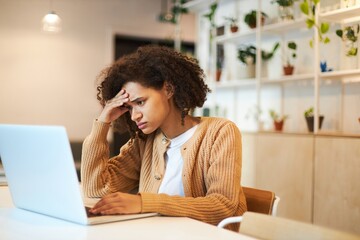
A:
{"x":291,"y":54}
{"x":233,"y":23}
{"x":349,"y":35}
{"x":286,"y":9}
{"x":278,"y":121}
{"x":254,"y":114}
{"x":309,"y":117}
{"x":250,"y":18}
{"x":247,"y":55}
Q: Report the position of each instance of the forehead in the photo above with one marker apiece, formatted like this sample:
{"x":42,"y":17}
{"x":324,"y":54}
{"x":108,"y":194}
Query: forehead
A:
{"x":134,"y":87}
{"x":136,"y":90}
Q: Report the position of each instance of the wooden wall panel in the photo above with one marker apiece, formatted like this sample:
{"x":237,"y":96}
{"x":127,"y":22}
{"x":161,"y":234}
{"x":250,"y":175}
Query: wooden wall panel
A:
{"x":284,"y":164}
{"x":337,"y":183}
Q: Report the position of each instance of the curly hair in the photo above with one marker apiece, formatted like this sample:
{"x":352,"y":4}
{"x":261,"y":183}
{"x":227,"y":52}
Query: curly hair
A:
{"x":152,"y":66}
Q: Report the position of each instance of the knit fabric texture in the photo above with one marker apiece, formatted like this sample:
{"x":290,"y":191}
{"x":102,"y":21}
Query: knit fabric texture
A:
{"x":211,"y":172}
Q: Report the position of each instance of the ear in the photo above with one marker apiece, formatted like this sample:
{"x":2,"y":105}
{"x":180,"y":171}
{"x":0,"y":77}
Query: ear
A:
{"x":169,"y":89}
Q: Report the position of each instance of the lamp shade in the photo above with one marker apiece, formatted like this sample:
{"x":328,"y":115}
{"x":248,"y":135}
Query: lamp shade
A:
{"x":51,"y":22}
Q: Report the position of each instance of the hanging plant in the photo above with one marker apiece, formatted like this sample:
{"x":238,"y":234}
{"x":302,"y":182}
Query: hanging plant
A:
{"x":172,"y":16}
{"x":349,"y":35}
{"x":308,"y":7}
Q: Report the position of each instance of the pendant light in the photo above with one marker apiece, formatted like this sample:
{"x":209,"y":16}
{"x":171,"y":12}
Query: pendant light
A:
{"x":51,"y":22}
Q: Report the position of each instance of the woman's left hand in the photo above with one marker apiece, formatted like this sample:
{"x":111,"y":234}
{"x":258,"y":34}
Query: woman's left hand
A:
{"x":118,"y":203}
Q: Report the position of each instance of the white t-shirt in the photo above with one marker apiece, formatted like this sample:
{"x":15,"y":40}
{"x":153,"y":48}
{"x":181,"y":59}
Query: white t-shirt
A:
{"x":172,"y":182}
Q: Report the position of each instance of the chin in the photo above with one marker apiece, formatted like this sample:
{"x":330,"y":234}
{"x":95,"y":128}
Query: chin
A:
{"x":147,"y":130}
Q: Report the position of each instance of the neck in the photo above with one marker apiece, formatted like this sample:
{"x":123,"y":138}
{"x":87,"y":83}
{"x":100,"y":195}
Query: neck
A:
{"x":176,"y":128}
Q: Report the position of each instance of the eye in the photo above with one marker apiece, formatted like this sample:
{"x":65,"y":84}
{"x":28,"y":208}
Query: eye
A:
{"x":140,"y":103}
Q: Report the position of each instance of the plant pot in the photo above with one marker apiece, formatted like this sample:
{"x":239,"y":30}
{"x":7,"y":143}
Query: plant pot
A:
{"x":278,"y":125}
{"x":286,"y":13}
{"x":234,"y":29}
{"x":253,"y":24}
{"x":218,"y":74}
{"x":288,"y":70}
{"x":310,"y":122}
{"x":250,"y":71}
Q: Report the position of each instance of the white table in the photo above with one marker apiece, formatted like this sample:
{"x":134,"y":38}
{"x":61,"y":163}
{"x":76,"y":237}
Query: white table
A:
{"x":18,"y":224}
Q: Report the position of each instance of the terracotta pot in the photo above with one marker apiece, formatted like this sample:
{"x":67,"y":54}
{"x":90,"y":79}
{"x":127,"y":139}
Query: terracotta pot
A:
{"x":278,"y":125}
{"x":218,"y":75}
{"x":234,"y":29}
{"x":288,"y":70}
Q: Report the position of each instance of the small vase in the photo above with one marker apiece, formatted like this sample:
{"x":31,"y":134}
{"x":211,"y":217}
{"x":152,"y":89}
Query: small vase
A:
{"x":286,"y":13}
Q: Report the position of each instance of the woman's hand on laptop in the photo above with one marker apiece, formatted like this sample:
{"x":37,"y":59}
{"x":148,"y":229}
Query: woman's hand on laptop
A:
{"x":118,"y":203}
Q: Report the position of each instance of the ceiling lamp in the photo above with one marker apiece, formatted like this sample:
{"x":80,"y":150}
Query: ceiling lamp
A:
{"x":51,"y":22}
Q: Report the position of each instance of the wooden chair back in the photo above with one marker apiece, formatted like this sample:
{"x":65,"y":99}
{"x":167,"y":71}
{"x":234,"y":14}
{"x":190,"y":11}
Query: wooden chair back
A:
{"x":275,"y":228}
{"x":258,"y":200}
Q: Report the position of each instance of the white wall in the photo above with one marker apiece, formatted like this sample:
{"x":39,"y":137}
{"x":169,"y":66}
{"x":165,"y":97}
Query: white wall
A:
{"x":50,"y":78}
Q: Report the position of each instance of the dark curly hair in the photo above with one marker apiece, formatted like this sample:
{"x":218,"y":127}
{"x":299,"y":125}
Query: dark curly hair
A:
{"x":152,"y":66}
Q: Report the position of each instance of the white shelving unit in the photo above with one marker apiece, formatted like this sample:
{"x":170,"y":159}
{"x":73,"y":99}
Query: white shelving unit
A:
{"x":281,"y":32}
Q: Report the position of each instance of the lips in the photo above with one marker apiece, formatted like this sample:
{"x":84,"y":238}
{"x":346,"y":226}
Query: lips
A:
{"x":141,"y":125}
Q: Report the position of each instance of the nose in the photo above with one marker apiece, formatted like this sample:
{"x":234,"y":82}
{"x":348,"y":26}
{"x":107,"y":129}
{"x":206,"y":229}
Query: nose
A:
{"x":135,"y":115}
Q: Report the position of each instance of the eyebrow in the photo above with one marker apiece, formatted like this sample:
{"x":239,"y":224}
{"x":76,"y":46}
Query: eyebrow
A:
{"x":136,"y":99}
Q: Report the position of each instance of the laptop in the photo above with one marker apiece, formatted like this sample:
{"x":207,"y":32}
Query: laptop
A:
{"x":41,"y":174}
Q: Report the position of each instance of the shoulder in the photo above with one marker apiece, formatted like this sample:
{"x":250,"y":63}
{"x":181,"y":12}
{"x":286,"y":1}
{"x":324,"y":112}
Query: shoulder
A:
{"x":215,"y":129}
{"x":215,"y":123}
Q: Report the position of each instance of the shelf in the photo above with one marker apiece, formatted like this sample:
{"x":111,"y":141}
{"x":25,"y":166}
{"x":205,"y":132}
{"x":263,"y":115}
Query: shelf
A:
{"x":200,"y":5}
{"x":238,"y":38}
{"x":341,"y":74}
{"x":234,"y":83}
{"x":345,"y":15}
{"x":296,"y":27}
{"x":286,"y":79}
{"x":285,"y":27}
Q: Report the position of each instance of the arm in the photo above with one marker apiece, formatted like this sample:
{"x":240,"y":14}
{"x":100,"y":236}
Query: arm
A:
{"x":101,"y":175}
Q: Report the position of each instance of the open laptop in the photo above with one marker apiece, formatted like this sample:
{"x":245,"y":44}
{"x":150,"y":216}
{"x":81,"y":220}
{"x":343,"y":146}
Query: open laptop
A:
{"x":41,"y":174}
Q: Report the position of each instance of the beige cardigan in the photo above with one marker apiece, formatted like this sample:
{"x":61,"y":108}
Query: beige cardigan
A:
{"x":211,"y":171}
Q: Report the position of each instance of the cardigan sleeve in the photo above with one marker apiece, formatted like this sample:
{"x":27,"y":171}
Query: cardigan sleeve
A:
{"x":101,"y":175}
{"x":222,"y":173}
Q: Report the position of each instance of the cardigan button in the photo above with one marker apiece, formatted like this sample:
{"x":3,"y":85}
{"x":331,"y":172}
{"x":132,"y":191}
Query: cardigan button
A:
{"x":157,"y":176}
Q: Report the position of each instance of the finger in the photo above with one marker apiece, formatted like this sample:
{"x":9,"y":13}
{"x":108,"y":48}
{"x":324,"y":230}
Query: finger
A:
{"x":106,"y":200}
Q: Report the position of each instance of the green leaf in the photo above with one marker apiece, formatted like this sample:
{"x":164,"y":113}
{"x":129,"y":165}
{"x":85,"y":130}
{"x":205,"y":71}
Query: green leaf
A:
{"x":324,"y":27}
{"x":316,"y":1}
{"x":326,"y":40}
{"x":304,"y":7}
{"x":311,"y":43}
{"x":292,"y":45}
{"x":310,"y":23}
{"x":339,"y":33}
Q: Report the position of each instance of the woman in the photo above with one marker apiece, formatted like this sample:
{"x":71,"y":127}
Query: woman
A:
{"x":178,"y":164}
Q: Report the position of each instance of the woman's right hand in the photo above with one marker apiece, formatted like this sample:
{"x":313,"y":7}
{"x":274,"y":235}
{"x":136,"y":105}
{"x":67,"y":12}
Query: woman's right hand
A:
{"x":115,"y":107}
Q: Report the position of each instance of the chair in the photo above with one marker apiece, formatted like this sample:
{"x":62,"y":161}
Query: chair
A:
{"x":257,"y":200}
{"x":270,"y":228}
